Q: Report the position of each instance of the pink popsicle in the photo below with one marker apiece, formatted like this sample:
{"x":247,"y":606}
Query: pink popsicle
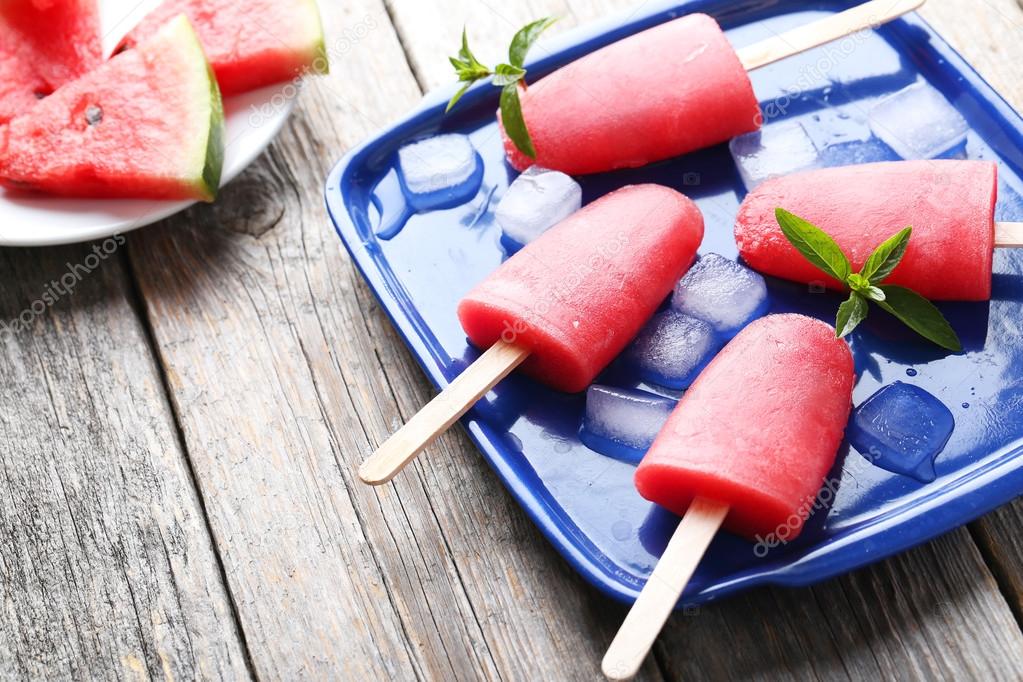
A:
{"x":576,"y":296}
{"x":949,"y":204}
{"x":759,"y":429}
{"x":666,"y":91}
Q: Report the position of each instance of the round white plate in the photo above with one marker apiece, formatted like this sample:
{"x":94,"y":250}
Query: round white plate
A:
{"x":253,"y":120}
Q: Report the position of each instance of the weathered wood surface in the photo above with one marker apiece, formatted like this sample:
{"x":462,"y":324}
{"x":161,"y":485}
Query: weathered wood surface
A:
{"x":280,"y":374}
{"x":107,"y":570}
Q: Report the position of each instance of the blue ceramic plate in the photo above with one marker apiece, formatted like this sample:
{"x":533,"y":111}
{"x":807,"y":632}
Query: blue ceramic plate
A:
{"x":585,"y":502}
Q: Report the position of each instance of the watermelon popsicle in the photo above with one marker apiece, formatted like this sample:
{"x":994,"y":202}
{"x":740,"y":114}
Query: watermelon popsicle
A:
{"x":949,"y":204}
{"x":563,"y":307}
{"x":748,"y":447}
{"x":666,"y":91}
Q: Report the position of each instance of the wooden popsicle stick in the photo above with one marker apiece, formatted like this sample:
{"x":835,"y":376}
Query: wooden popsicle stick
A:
{"x":826,"y":30}
{"x":442,"y":412}
{"x":1009,"y":235}
{"x":664,"y":588}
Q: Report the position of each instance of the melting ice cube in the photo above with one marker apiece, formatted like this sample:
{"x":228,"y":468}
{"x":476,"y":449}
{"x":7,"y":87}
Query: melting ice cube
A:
{"x":623,"y":423}
{"x":722,"y":293}
{"x":919,"y":123}
{"x":673,"y":349}
{"x":440,"y":172}
{"x":538,"y":200}
{"x":902,"y":428}
{"x":774,"y":150}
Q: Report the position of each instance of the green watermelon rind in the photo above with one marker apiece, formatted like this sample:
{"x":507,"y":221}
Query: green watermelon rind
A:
{"x":215,"y":146}
{"x":207,"y":182}
{"x":320,"y":56}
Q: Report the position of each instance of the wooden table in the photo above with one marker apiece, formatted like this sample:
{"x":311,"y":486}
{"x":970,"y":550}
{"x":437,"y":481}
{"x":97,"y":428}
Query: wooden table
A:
{"x":179,"y":436}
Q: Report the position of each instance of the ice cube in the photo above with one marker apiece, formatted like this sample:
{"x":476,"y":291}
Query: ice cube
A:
{"x":919,"y":123}
{"x":902,"y":428}
{"x":722,"y":293}
{"x":623,"y":423}
{"x":778,"y":149}
{"x":673,"y":349}
{"x":844,"y":139}
{"x":538,"y":200}
{"x":440,"y":172}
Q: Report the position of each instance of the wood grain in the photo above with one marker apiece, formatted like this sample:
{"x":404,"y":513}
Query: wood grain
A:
{"x":107,"y":570}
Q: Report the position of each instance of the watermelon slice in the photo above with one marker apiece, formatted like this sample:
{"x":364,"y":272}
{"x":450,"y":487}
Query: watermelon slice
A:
{"x":250,"y":44}
{"x":43,"y":45}
{"x":147,"y":124}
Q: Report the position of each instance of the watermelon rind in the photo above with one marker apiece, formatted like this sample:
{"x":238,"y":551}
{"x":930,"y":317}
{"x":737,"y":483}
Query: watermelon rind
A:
{"x":320,"y":62}
{"x":214,"y":163}
{"x":208,"y":151}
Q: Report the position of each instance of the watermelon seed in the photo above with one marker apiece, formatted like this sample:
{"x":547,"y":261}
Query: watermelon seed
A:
{"x":93,"y":115}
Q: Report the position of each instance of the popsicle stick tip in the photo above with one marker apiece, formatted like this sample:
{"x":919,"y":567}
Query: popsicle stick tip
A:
{"x":664,"y":588}
{"x":371,"y":475}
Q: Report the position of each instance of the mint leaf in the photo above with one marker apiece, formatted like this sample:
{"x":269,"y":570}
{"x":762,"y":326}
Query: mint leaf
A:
{"x":815,"y":244}
{"x":886,"y":257}
{"x":458,"y":96}
{"x":506,"y":74}
{"x":850,"y":314}
{"x":920,"y":315}
{"x":513,"y":120}
{"x":468,"y":69}
{"x":466,"y":55}
{"x":874,"y":294}
{"x":524,"y":39}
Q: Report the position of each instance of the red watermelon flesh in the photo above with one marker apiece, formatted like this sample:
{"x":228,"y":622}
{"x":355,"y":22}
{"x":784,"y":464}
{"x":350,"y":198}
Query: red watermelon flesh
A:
{"x":43,"y":45}
{"x":250,"y":44}
{"x":147,"y":124}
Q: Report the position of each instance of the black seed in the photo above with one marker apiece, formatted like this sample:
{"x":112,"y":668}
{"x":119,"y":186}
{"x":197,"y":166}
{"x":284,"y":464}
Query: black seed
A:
{"x":93,"y":115}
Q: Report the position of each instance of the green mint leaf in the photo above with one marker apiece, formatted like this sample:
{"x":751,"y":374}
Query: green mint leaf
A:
{"x":466,"y":55}
{"x":850,"y":314}
{"x":506,"y":74}
{"x":858,"y":282}
{"x":513,"y":120}
{"x":920,"y":315}
{"x":458,"y":96}
{"x":467,"y":68}
{"x":525,"y":38}
{"x":874,"y":294}
{"x":886,"y":257}
{"x":815,"y":245}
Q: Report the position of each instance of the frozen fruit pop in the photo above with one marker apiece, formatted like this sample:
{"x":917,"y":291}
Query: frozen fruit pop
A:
{"x":666,"y":91}
{"x":748,"y":446}
{"x":580,"y":293}
{"x":658,"y":94}
{"x":563,"y":307}
{"x":949,"y":204}
{"x":759,"y":429}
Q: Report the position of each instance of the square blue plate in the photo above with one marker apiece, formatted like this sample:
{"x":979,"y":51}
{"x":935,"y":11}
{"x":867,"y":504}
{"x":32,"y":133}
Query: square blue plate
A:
{"x":584,"y":502}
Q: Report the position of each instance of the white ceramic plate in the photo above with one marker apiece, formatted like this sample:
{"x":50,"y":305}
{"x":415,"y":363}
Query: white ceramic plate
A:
{"x":253,"y":121}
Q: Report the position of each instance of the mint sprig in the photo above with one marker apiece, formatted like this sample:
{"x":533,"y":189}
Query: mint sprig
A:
{"x":508,"y":77}
{"x":867,"y":285}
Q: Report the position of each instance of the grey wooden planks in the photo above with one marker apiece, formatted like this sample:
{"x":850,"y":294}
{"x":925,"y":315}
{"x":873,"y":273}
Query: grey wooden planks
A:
{"x":107,"y":570}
